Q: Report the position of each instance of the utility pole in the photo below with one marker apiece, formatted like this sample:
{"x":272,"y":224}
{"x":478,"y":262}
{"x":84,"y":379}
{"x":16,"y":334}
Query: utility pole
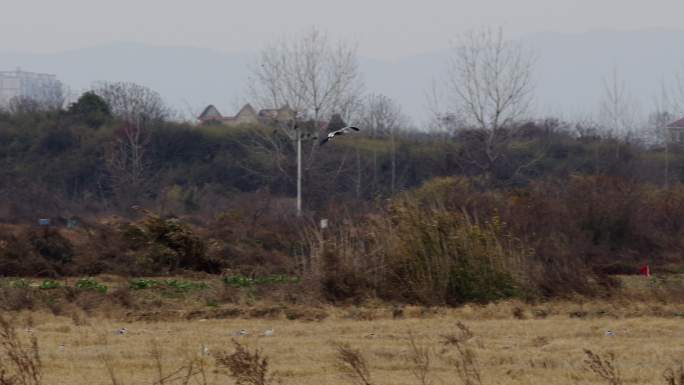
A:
{"x":299,"y":170}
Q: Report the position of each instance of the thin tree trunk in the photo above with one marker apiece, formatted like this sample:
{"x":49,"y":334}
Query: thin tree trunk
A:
{"x":667,"y":164}
{"x":358,"y":174}
{"x":394,"y":161}
{"x":299,"y":172}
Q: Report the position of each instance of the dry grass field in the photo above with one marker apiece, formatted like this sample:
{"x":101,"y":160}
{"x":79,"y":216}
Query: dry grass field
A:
{"x":512,"y":344}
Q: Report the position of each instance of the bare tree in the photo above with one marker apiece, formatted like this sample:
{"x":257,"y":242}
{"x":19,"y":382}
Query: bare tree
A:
{"x":49,"y":96}
{"x":311,"y":74}
{"x":127,"y":163}
{"x":617,"y":108}
{"x":52,"y":95}
{"x":139,"y":108}
{"x":133,"y":103}
{"x":657,"y":123}
{"x":442,"y":119}
{"x":489,"y":89}
{"x":617,"y":111}
{"x":382,"y":117}
{"x":661,"y":115}
{"x":490,"y":79}
{"x":678,"y":92}
{"x":20,"y":105}
{"x":586,"y":129}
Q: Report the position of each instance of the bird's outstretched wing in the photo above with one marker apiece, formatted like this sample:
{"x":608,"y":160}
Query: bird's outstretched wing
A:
{"x":341,"y":131}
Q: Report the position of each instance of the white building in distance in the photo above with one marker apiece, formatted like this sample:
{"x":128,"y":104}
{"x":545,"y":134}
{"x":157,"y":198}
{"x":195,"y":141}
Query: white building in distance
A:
{"x":43,"y":88}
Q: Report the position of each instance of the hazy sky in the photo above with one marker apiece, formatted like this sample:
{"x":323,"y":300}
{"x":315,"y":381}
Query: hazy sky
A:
{"x":383,"y":28}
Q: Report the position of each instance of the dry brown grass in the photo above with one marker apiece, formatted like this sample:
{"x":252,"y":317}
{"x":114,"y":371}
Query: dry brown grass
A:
{"x":501,"y":349}
{"x":20,"y":362}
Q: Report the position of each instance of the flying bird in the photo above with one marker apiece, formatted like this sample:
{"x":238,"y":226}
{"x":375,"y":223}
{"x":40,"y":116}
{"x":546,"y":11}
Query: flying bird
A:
{"x":341,"y":131}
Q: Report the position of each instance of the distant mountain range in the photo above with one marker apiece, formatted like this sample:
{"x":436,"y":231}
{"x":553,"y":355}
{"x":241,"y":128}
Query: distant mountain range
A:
{"x":569,"y":70}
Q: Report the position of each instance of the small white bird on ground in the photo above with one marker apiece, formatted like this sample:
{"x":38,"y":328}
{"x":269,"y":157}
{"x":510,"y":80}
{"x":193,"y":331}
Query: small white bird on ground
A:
{"x":121,"y":331}
{"x":61,"y":347}
{"x":204,"y":350}
{"x":241,"y":333}
{"x":341,"y":131}
{"x":610,"y":333}
{"x":267,"y":333}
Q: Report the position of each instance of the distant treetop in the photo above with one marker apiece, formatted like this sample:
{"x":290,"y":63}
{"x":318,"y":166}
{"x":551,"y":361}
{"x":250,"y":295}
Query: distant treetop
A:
{"x":91,"y":108}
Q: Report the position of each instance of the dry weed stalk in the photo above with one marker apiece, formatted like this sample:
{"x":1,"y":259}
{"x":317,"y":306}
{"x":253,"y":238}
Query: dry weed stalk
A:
{"x":19,"y":364}
{"x":603,"y":367}
{"x":352,"y":364}
{"x":193,"y":370}
{"x":419,"y":358}
{"x":109,"y":366}
{"x":674,"y":375}
{"x":246,"y":368}
{"x":182,"y":374}
{"x":200,"y":376}
{"x":107,"y":360}
{"x":463,"y":335}
{"x":465,"y":362}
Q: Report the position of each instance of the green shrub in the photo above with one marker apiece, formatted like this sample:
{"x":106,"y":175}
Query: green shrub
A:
{"x":49,"y":284}
{"x":185,"y":286}
{"x":20,"y":284}
{"x":238,"y":281}
{"x":90,"y":284}
{"x":174,"y":284}
{"x":243,"y":281}
{"x":445,"y":256}
{"x":139,"y":284}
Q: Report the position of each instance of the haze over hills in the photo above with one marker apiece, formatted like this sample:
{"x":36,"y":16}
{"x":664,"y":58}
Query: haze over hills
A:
{"x":569,"y":71}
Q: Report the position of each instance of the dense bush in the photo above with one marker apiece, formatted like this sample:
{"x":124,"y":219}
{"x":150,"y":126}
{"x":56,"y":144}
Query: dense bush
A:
{"x":424,"y":251}
{"x":51,"y":245}
{"x":166,"y":245}
{"x":37,"y":253}
{"x":447,"y":243}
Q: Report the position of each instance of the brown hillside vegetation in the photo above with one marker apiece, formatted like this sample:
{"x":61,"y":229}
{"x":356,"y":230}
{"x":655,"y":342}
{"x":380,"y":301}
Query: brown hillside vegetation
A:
{"x":445,"y":243}
{"x":429,"y":218}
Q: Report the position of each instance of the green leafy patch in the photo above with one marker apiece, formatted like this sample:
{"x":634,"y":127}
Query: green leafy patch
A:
{"x":243,"y":281}
{"x":90,"y":284}
{"x":49,"y":284}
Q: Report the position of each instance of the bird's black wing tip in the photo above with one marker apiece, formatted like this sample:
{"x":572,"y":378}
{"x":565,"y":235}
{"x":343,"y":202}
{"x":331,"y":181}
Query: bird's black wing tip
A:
{"x":354,"y":128}
{"x":323,"y":141}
